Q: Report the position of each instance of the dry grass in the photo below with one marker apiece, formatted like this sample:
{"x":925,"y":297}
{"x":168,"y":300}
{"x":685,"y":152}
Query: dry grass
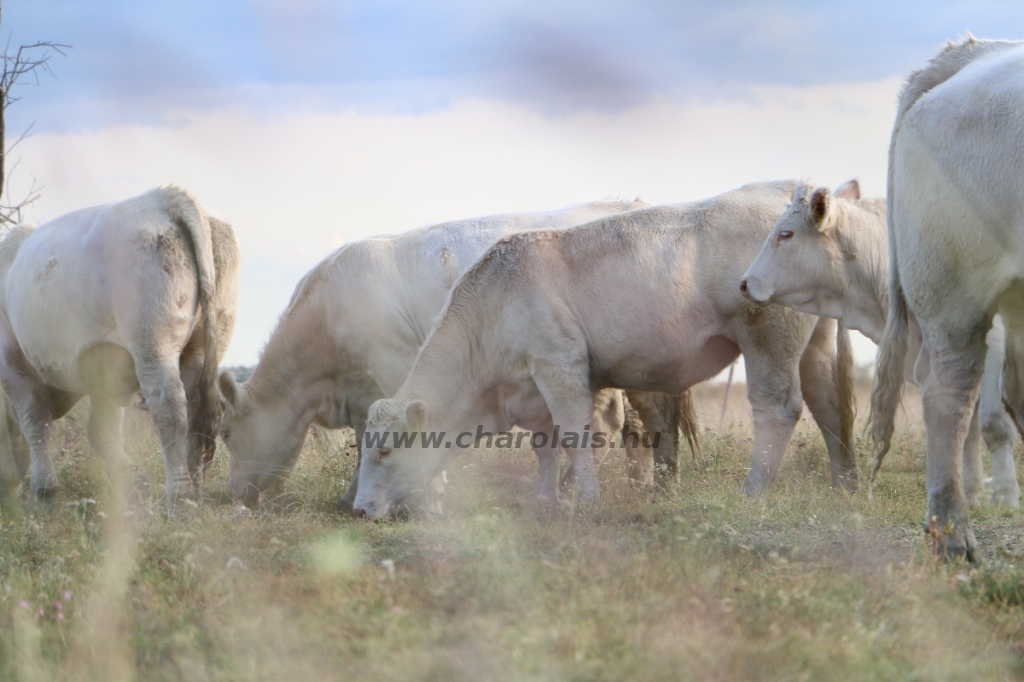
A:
{"x":692,"y":582}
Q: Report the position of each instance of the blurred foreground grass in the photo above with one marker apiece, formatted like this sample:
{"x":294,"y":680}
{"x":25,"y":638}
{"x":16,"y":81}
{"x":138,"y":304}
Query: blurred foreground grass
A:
{"x":693,"y":582}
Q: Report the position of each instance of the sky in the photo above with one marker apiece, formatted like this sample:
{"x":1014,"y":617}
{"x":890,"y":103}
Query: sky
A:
{"x":312,"y":123}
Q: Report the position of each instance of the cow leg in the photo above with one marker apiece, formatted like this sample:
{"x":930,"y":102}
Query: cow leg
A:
{"x":973,"y":472}
{"x":15,"y":460}
{"x":547,"y":475}
{"x":609,"y":418}
{"x":773,"y":388}
{"x":824,"y":399}
{"x":996,"y":426}
{"x":32,"y":404}
{"x":349,"y":497}
{"x":948,"y":395}
{"x":165,"y":396}
{"x":190,"y":368}
{"x":659,"y":413}
{"x":639,"y":458}
{"x":565,"y":387}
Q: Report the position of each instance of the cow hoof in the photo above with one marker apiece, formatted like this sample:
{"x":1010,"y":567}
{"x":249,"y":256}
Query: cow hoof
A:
{"x":753,"y":487}
{"x":965,"y":553}
{"x":46,"y":491}
{"x":951,"y":542}
{"x":182,"y":506}
{"x":1006,"y":498}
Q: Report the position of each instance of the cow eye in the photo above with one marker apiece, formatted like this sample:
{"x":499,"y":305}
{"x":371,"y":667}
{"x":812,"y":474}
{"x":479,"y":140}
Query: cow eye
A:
{"x":384,"y":452}
{"x":224,"y":434}
{"x":785,"y":234}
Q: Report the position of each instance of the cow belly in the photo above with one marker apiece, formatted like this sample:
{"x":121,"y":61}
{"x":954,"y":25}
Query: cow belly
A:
{"x":672,"y":373}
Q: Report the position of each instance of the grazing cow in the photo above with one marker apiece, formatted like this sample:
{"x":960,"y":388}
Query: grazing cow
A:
{"x":110,"y":300}
{"x":828,"y":255}
{"x":350,"y":334}
{"x":956,"y":253}
{"x":646,"y":300}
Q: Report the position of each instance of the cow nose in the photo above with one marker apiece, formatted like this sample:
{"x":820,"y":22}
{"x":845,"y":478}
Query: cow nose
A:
{"x":743,"y":288}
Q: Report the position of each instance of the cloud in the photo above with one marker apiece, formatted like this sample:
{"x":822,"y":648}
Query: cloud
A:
{"x":139,"y":60}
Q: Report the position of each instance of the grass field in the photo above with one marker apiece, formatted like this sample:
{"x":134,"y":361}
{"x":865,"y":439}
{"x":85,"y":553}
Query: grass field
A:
{"x":691,"y":582}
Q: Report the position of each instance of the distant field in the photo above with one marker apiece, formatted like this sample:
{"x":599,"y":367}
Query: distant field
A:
{"x":690,"y":582}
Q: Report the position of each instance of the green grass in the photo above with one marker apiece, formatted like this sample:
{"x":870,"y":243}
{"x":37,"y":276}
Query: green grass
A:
{"x":691,"y":582}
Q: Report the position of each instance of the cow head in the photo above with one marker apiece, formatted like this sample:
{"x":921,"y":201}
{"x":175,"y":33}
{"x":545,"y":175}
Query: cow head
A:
{"x":263,"y":438}
{"x":395,"y":477}
{"x":800,"y":264}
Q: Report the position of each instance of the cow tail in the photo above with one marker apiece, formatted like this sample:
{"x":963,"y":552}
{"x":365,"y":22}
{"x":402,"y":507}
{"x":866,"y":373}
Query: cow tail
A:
{"x":687,"y":417}
{"x":204,"y":408}
{"x":889,"y":367}
{"x":844,"y":382}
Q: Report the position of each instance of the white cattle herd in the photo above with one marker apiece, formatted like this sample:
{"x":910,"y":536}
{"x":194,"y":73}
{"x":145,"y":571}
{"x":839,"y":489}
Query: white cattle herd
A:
{"x":446,"y":337}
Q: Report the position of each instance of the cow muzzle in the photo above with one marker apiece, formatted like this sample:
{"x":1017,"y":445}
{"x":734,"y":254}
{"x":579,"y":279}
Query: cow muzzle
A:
{"x":753,"y":290}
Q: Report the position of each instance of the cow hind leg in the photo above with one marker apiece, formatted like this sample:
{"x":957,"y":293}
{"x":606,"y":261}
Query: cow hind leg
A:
{"x":825,"y":394}
{"x":32,"y":404}
{"x":15,"y":459}
{"x":659,"y":413}
{"x":165,"y":396}
{"x":973,"y":472}
{"x":997,"y":427}
{"x":948,"y":396}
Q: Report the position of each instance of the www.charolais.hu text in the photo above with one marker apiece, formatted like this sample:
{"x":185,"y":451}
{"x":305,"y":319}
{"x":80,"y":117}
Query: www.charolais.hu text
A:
{"x":506,"y":439}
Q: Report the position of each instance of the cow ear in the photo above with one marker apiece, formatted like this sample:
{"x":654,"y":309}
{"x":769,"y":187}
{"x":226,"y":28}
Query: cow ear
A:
{"x":849,"y":190}
{"x":821,"y":209}
{"x":416,"y":415}
{"x":229,"y":389}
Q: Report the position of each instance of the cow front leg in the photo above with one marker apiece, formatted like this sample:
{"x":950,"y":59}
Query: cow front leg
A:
{"x":566,"y":390}
{"x":609,"y":420}
{"x":776,"y":401}
{"x":348,"y":499}
{"x":547,"y":471}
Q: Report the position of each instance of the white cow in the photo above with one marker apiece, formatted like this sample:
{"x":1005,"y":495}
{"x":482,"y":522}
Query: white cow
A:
{"x":828,"y":255}
{"x":350,"y":334}
{"x":956,"y":247}
{"x":645,"y":300}
{"x":112,"y":299}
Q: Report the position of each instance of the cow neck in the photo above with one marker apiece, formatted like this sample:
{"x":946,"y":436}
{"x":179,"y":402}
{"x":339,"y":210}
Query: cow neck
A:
{"x":446,"y":376}
{"x":294,"y":365}
{"x":864,"y":242}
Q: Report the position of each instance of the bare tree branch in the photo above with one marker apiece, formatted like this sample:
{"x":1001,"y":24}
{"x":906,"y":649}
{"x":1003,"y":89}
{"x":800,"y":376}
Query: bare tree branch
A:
{"x":25,"y":63}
